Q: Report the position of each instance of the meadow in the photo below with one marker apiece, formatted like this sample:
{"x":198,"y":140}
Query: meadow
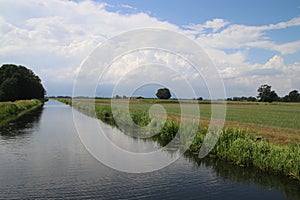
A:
{"x":12,"y":110}
{"x":276,"y":122}
{"x":263,"y":135}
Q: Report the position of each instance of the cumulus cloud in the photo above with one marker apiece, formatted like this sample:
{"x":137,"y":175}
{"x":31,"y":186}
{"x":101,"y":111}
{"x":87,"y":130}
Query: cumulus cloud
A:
{"x":53,"y":37}
{"x":275,"y":62}
{"x":275,"y":72}
{"x":57,"y":35}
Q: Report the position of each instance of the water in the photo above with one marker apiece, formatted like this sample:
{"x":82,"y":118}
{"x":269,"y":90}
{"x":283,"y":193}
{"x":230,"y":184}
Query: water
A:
{"x":41,"y":157}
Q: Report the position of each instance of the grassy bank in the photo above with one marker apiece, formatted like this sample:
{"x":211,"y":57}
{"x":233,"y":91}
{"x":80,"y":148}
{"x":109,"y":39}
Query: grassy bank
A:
{"x":10,"y":111}
{"x":235,"y":144}
{"x":240,"y":148}
{"x":276,"y":122}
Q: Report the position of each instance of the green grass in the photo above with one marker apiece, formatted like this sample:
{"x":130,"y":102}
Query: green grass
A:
{"x":242,"y":149}
{"x":277,"y":122}
{"x":11,"y":110}
{"x":277,"y":115}
{"x":234,"y":144}
{"x":281,"y":115}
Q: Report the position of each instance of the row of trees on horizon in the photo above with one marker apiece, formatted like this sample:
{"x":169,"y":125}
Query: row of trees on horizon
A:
{"x":266,"y":94}
{"x":18,"y":83}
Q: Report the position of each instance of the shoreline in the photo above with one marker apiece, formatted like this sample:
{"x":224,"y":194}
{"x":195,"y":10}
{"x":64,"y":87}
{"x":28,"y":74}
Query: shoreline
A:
{"x":235,"y":145}
{"x":13,"y":110}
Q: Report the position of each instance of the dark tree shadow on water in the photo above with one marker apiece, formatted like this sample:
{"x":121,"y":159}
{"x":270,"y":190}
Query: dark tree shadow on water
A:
{"x":22,"y":126}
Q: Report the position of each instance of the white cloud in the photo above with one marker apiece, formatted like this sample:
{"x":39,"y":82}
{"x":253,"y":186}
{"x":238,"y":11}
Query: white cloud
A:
{"x":53,"y":37}
{"x":293,"y":22}
{"x":216,"y":24}
{"x":128,"y":6}
{"x":229,"y":72}
{"x":276,"y":62}
{"x":235,"y":36}
{"x":221,"y":58}
{"x":232,"y":37}
{"x":68,"y":31}
{"x":275,"y":72}
{"x":288,"y":48}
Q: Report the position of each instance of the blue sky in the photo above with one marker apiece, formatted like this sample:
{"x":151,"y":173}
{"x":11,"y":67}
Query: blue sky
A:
{"x":249,"y":42}
{"x":254,"y":12}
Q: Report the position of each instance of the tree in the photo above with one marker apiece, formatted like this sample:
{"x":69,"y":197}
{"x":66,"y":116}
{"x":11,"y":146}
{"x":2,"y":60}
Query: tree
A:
{"x":293,"y":96}
{"x":265,"y":94}
{"x":7,"y":90}
{"x":163,"y":93}
{"x":117,"y":97}
{"x":242,"y":99}
{"x":18,"y":82}
{"x":251,"y":98}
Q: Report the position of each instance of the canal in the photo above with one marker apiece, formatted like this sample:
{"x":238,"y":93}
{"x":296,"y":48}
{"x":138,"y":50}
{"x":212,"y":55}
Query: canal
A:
{"x":42,"y":157}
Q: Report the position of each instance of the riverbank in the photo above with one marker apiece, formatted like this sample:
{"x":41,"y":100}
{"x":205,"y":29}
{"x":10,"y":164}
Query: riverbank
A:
{"x":234,"y":145}
{"x":276,"y":122}
{"x":10,"y":111}
{"x":42,"y":157}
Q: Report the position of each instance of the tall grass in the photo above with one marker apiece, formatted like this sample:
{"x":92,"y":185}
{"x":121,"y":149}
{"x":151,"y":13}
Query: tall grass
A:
{"x":12,"y":110}
{"x":236,"y":146}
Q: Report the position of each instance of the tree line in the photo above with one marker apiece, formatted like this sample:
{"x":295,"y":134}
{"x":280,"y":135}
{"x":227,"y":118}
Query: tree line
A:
{"x":266,"y":94}
{"x":19,"y":83}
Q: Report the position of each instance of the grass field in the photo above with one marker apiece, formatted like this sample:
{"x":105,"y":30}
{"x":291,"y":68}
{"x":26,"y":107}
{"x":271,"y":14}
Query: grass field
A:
{"x":12,"y":110}
{"x":276,"y":122}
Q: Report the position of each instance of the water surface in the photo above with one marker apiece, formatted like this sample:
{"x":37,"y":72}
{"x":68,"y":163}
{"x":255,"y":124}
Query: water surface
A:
{"x":41,"y":156}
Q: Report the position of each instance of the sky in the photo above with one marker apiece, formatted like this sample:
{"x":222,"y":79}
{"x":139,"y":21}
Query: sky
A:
{"x":250,"y":43}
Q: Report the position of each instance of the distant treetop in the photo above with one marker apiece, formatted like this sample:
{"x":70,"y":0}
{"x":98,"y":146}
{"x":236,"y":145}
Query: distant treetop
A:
{"x":18,"y":82}
{"x":163,"y":93}
{"x":265,"y":94}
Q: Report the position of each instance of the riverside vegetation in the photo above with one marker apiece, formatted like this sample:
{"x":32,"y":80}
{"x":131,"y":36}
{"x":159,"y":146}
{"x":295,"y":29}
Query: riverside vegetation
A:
{"x":20,"y":90}
{"x":10,"y":111}
{"x":248,"y":140}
